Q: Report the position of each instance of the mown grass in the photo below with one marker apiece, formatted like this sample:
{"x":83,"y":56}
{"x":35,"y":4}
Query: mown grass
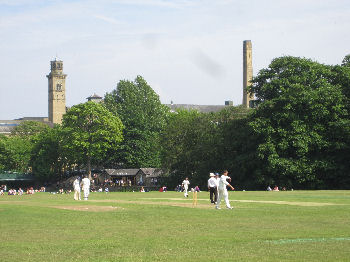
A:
{"x":146,"y":227}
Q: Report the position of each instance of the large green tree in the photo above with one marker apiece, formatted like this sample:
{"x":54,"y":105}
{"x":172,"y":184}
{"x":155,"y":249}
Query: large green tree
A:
{"x":46,"y":155}
{"x":303,"y":122}
{"x":15,"y":153}
{"x":346,"y":61}
{"x":143,"y":115}
{"x":190,"y":146}
{"x":237,"y":146}
{"x":89,"y":131}
{"x":29,"y":128}
{"x":15,"y":150}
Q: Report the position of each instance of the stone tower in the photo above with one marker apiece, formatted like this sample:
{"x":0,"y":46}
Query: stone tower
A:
{"x":247,"y":72}
{"x":57,"y":92}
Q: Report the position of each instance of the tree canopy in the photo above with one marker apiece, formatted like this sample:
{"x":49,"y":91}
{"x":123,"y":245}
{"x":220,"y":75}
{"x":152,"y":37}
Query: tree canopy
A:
{"x":89,"y":131}
{"x":346,"y":61}
{"x":143,"y":116}
{"x":46,"y":156}
{"x":15,"y":153}
{"x":303,"y":121}
{"x":29,"y":128}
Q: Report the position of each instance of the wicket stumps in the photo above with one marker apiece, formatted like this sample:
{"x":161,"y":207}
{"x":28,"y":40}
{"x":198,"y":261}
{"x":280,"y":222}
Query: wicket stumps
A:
{"x":194,"y":196}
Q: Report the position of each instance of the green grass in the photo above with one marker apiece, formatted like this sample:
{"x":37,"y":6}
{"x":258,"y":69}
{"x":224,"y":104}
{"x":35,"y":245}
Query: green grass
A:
{"x":155,"y":227}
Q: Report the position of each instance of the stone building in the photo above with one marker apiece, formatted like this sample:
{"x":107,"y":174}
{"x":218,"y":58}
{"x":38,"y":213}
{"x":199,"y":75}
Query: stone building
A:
{"x":57,"y":92}
{"x":149,"y":177}
{"x":95,"y":98}
{"x":247,"y":73}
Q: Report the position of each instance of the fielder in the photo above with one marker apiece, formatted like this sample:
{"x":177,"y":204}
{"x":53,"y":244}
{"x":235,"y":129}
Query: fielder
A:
{"x":185,"y":184}
{"x":86,"y":187}
{"x":222,"y":190}
{"x":76,"y":186}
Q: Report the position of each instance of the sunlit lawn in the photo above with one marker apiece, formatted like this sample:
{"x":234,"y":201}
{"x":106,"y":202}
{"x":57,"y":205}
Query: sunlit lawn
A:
{"x":263,"y":226}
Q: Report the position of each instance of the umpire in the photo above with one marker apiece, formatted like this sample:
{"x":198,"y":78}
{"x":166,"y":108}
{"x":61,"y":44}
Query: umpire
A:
{"x":213,"y":188}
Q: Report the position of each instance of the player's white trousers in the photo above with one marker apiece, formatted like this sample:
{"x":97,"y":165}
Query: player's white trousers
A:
{"x":77,"y":194}
{"x":86,"y":193}
{"x":185,"y":191}
{"x":223,"y":194}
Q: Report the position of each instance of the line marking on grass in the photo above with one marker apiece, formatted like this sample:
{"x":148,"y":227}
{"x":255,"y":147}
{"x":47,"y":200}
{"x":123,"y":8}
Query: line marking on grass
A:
{"x":159,"y":203}
{"x":303,"y":240}
{"x":297,"y":203}
{"x":305,"y":204}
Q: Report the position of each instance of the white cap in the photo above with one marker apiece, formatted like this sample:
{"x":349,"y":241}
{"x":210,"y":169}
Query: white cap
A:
{"x":211,"y":174}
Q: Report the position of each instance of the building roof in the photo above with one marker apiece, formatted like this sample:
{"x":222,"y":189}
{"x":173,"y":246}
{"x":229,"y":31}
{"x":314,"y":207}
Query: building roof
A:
{"x":94,"y":96}
{"x":199,"y":108}
{"x":6,"y":126}
{"x":122,"y":172}
{"x":152,"y":172}
{"x":7,"y":176}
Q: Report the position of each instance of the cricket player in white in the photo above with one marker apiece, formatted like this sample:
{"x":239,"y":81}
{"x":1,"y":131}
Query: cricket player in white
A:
{"x":185,"y":184}
{"x":86,"y":187}
{"x":222,"y":190}
{"x":76,"y":186}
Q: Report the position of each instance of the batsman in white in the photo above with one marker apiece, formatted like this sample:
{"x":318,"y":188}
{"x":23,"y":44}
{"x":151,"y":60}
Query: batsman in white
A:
{"x":85,"y":182}
{"x":76,"y":186}
{"x":222,"y":190}
{"x":185,"y":184}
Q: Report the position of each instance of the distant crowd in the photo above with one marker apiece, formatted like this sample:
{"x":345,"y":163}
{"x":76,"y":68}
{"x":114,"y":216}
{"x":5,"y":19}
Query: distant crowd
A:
{"x":12,"y":191}
{"x":276,"y":188}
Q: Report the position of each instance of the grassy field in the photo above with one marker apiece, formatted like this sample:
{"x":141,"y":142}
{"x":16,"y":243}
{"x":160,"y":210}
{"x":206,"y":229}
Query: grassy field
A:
{"x":263,"y":226}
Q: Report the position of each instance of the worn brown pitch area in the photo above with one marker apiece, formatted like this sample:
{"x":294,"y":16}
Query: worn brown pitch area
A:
{"x":88,"y":208}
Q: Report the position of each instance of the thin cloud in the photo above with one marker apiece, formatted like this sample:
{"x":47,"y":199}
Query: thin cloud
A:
{"x":107,"y":19}
{"x":158,"y":3}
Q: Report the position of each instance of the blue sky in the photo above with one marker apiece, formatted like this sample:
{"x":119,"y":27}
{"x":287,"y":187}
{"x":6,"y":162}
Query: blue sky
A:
{"x":189,"y":51}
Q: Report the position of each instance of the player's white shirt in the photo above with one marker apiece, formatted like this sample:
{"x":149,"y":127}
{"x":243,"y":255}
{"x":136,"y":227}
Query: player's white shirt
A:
{"x":86,"y":183}
{"x":76,"y":184}
{"x":212,"y":182}
{"x":222,"y":182}
{"x":186,"y":183}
